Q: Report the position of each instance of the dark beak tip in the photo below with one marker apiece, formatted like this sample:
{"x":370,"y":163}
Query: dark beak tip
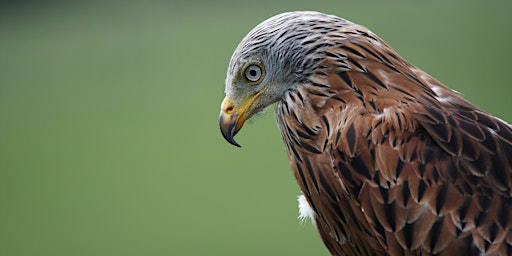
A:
{"x":234,"y":143}
{"x":229,"y":138}
{"x":228,"y":130}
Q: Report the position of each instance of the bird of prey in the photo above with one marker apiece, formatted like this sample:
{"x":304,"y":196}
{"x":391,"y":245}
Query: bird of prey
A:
{"x":390,"y":161}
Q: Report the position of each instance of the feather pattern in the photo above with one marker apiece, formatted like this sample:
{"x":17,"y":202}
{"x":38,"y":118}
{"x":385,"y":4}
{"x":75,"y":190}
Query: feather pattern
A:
{"x":394,"y":162}
{"x":390,"y":160}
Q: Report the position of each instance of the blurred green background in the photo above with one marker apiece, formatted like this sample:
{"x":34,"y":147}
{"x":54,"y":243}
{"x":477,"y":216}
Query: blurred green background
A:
{"x":109,"y":143}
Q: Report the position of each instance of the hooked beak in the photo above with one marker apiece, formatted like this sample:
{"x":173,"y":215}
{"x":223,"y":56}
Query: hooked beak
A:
{"x":230,"y":121}
{"x":232,"y":118}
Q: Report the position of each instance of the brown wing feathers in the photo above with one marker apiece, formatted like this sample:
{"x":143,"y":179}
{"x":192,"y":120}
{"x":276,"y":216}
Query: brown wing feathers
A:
{"x":393,"y":162}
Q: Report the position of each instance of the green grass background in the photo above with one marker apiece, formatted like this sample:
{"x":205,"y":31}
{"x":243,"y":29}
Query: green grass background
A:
{"x":109,"y":139}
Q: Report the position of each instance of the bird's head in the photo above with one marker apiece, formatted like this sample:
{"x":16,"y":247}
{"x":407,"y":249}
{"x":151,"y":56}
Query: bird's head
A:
{"x":278,"y":54}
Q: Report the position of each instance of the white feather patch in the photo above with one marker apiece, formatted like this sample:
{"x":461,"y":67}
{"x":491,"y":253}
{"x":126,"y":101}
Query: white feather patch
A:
{"x":305,"y":210}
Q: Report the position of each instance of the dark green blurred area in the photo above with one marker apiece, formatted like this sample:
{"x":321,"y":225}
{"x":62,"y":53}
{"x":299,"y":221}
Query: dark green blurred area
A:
{"x":109,"y":143}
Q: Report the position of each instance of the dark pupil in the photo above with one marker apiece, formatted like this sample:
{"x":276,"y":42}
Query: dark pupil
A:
{"x":253,"y":72}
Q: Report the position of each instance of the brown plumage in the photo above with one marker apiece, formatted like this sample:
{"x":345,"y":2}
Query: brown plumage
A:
{"x":391,"y":161}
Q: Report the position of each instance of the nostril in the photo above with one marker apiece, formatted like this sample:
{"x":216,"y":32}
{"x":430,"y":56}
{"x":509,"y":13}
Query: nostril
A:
{"x":229,"y":110}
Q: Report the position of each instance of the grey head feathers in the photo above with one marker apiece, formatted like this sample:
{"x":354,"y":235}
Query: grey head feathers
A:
{"x":289,"y":44}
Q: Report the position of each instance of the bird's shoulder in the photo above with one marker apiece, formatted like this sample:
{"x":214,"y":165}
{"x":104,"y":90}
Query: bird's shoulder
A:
{"x":413,"y":155}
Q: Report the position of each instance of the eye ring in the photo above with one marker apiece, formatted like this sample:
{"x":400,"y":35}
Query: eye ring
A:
{"x":253,"y":73}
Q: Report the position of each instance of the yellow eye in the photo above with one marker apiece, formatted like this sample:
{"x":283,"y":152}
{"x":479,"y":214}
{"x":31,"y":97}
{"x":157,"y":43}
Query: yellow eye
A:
{"x":253,"y":73}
